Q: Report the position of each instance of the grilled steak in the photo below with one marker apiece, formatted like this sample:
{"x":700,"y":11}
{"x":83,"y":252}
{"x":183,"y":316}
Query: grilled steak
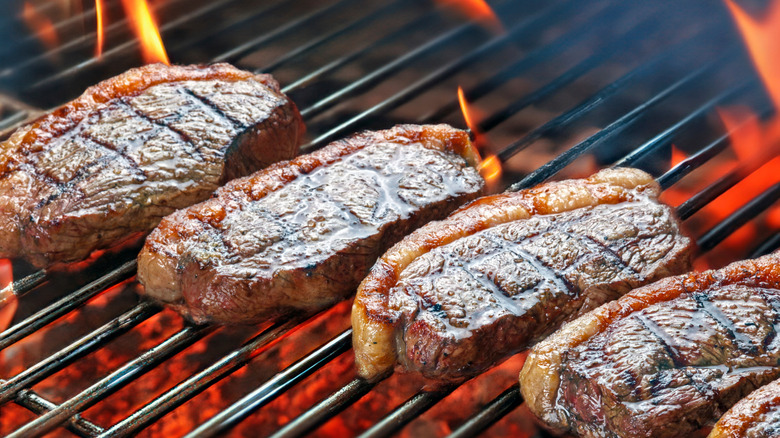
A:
{"x":663,"y":360}
{"x":457,"y":296}
{"x":755,"y":416}
{"x":133,"y":149}
{"x":300,"y":235}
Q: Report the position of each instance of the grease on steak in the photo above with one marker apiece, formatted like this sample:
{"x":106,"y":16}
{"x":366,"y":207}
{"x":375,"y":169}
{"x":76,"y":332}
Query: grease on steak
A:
{"x":133,"y":149}
{"x":665,"y":359}
{"x":458,"y":296}
{"x":755,"y":416}
{"x":302,"y":234}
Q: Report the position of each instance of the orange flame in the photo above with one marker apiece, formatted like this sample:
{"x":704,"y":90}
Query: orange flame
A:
{"x":146,"y":28}
{"x":99,"y":30}
{"x":763,"y":40}
{"x":40,"y":24}
{"x":490,"y":167}
{"x":477,"y":10}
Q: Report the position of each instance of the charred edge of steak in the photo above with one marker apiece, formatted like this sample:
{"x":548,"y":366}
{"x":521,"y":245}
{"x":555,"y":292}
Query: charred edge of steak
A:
{"x":374,"y":321}
{"x":168,"y":259}
{"x":565,"y":400}
{"x":755,"y":416}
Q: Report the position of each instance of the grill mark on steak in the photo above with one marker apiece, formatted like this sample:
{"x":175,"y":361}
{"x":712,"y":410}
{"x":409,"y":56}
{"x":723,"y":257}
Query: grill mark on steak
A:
{"x":667,"y":342}
{"x":213,"y":107}
{"x":601,"y":246}
{"x":546,"y":272}
{"x":85,"y":172}
{"x":742,"y":342}
{"x":193,"y":151}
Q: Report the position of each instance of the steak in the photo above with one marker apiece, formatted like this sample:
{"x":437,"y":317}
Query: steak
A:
{"x":133,"y":149}
{"x":300,"y":235}
{"x":755,"y":416}
{"x":663,"y":360}
{"x":458,"y":296}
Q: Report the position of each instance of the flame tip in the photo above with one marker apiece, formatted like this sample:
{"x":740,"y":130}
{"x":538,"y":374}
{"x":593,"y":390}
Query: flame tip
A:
{"x":152,"y":46}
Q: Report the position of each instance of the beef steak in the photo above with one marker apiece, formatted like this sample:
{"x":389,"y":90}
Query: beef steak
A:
{"x":133,"y":149}
{"x":458,"y":296}
{"x":663,"y":360}
{"x":300,"y":235}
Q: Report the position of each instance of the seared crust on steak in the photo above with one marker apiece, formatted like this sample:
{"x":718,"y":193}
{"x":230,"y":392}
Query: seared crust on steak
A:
{"x":664,"y":359}
{"x":457,"y":296}
{"x":133,"y":149}
{"x":755,"y":416}
{"x":300,"y":235}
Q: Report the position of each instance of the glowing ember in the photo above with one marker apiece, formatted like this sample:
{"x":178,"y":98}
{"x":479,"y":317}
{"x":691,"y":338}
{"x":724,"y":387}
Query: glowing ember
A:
{"x":489,"y":168}
{"x":40,"y":24}
{"x":151,"y":42}
{"x":477,"y":10}
{"x":678,"y":156}
{"x":8,"y":301}
{"x":100,"y":36}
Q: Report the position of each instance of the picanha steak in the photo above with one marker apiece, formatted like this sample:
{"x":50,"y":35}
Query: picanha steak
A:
{"x":663,"y":360}
{"x":300,"y":235}
{"x":132,"y":149}
{"x":755,"y":416}
{"x":460,"y":295}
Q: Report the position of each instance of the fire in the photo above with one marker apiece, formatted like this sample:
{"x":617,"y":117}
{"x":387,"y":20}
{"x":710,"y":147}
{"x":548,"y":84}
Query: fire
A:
{"x":99,"y":29}
{"x":40,"y":24}
{"x":490,"y":167}
{"x":477,"y":10}
{"x":146,"y":28}
{"x":755,"y":143}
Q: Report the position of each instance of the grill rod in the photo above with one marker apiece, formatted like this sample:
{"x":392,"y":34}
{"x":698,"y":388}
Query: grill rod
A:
{"x":533,"y":58}
{"x":59,"y":360}
{"x":83,"y":42}
{"x":558,"y":163}
{"x":109,"y":384}
{"x":227,"y":418}
{"x":194,"y":385}
{"x":125,"y":47}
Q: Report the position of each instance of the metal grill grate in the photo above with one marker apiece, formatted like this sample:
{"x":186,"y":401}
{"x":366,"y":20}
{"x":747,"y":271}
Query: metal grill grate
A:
{"x":644,"y":76}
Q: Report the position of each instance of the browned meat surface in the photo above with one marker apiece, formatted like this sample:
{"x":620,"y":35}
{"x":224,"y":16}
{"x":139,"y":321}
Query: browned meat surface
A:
{"x":133,"y":149}
{"x":300,"y":235}
{"x":663,"y":360}
{"x":460,"y":295}
{"x":755,"y":416}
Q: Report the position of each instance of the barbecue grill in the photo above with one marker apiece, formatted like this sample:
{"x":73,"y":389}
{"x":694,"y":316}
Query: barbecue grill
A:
{"x":563,"y":88}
